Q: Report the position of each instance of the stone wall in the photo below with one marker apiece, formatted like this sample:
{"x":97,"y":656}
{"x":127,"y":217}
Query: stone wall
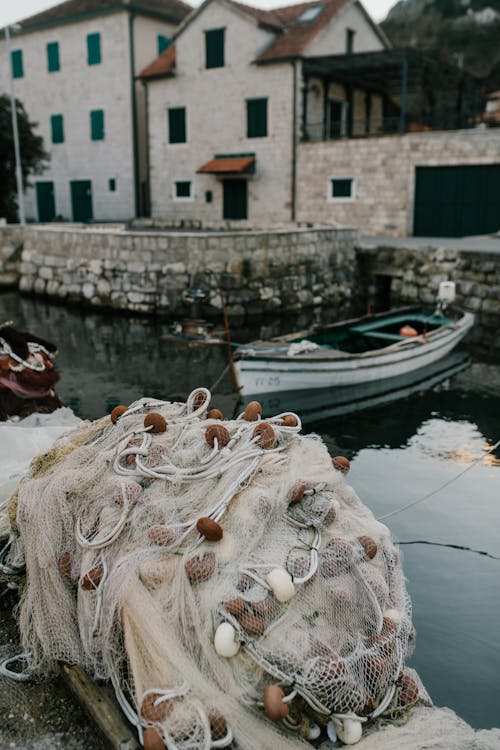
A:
{"x":11,"y":245}
{"x":415,"y":274}
{"x":257,"y":272}
{"x":383,"y":170}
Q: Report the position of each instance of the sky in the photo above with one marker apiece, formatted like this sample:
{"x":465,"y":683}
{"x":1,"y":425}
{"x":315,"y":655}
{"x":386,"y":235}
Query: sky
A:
{"x":14,"y":10}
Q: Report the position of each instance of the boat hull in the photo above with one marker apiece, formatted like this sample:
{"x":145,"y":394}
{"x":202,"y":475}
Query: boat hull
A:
{"x":264,"y":373}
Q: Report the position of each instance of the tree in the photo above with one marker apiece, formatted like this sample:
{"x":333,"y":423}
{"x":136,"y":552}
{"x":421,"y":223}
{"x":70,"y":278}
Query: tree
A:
{"x":34,"y":158}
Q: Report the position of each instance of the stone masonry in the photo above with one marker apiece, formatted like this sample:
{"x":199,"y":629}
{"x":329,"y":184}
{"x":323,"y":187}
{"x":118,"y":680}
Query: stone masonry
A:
{"x":148,"y":272}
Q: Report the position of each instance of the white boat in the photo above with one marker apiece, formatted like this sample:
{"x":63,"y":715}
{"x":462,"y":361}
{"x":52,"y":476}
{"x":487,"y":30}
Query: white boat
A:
{"x":353,"y":352}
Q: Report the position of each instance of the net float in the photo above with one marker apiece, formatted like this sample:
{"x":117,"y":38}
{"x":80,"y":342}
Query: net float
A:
{"x":349,"y":731}
{"x":330,"y":516}
{"x":265,"y":435}
{"x":161,"y":535}
{"x":218,"y":724}
{"x":273,"y":703}
{"x":64,"y":565}
{"x":156,"y":421}
{"x":393,"y":614}
{"x":253,"y":411}
{"x":150,"y":712}
{"x":408,"y":331}
{"x":266,"y":608}
{"x":152,"y":740}
{"x":369,"y":545}
{"x":336,"y":558}
{"x":409,"y":691}
{"x":341,"y":463}
{"x":281,"y":584}
{"x":215,"y":414}
{"x":225,"y":642}
{"x":217,"y":432}
{"x":234,"y":606}
{"x":289,"y":420}
{"x":118,"y":412}
{"x":92,"y":579}
{"x":252,"y":624}
{"x":209,"y":529}
{"x":297,"y":492}
{"x":199,"y":399}
{"x":200,"y":568}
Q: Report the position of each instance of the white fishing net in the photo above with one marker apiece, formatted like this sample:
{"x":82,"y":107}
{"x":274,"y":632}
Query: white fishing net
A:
{"x":221,"y":574}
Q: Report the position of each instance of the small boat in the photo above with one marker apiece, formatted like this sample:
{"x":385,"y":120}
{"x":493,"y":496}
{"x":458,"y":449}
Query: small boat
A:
{"x":353,"y":352}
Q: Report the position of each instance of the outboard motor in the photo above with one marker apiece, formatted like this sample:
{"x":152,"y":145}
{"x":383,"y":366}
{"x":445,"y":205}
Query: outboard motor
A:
{"x":446,"y":295}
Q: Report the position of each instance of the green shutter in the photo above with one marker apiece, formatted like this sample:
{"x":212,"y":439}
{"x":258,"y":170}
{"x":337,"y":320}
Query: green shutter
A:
{"x":93,"y":49}
{"x":256,"y":118}
{"x":342,"y":188}
{"x":97,"y":124}
{"x":57,"y":127}
{"x":183,"y":189}
{"x":214,"y":48}
{"x":177,"y":125}
{"x":53,"y":57}
{"x":163,"y":43}
{"x":16,"y":58}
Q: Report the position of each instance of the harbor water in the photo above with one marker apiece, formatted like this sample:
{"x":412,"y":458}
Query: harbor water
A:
{"x":436,"y":435}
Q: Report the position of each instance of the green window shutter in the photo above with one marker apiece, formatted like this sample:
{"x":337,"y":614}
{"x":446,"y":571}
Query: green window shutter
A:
{"x":256,"y":118}
{"x":16,"y":59}
{"x":93,"y":49}
{"x":97,"y":124}
{"x":177,"y":125}
{"x":57,"y":128}
{"x":53,"y":57}
{"x":182,"y":189}
{"x":214,"y":48}
{"x":163,"y":43}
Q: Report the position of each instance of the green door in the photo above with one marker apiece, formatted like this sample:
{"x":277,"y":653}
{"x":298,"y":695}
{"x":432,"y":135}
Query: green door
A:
{"x":235,"y":199}
{"x":457,"y":201}
{"x":45,"y":201}
{"x":81,"y":200}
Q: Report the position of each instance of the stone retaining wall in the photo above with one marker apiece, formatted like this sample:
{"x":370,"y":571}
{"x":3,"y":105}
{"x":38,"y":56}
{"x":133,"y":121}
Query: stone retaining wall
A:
{"x":11,"y":245}
{"x":415,"y":275}
{"x":257,"y":272}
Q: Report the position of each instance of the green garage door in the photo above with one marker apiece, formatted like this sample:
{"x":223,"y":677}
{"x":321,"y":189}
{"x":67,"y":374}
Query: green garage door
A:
{"x":457,"y":201}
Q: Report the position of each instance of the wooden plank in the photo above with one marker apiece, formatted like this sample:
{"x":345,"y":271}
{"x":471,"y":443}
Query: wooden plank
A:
{"x":101,"y":707}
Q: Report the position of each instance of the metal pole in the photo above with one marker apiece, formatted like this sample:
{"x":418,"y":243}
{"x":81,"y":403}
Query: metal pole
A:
{"x":15,"y":132}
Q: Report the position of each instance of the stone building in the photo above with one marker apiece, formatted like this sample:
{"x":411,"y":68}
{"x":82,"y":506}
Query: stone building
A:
{"x":73,"y":68}
{"x":228,"y":103}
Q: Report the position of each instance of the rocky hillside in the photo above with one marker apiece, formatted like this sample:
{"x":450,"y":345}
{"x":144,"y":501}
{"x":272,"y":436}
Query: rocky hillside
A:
{"x":466,"y":32}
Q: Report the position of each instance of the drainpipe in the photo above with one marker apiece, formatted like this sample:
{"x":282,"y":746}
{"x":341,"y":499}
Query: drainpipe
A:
{"x":147,"y":206}
{"x":133,"y":99}
{"x":294,"y":144}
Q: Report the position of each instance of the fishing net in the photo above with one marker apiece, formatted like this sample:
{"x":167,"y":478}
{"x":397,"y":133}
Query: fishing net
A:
{"x":27,"y":374}
{"x":221,"y":574}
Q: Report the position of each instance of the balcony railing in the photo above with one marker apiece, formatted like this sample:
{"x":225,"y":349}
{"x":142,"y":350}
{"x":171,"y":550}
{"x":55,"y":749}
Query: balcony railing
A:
{"x":361,"y":128}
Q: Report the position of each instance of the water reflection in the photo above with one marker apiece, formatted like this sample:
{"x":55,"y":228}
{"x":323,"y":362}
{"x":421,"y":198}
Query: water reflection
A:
{"x":400,"y":450}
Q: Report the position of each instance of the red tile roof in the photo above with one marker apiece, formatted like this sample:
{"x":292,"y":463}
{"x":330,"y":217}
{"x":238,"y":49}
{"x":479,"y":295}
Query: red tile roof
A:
{"x":227,"y":165}
{"x":264,"y":17}
{"x":70,"y":10}
{"x":162,"y":66}
{"x":297,"y":36}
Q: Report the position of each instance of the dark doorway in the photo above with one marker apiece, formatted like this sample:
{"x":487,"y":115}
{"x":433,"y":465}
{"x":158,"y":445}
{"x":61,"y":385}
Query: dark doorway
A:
{"x":81,"y":200}
{"x":45,"y":201}
{"x":335,"y":118}
{"x":235,"y":199}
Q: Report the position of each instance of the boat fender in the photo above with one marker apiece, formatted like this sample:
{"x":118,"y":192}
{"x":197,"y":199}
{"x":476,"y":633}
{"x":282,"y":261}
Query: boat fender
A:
{"x":408,"y":331}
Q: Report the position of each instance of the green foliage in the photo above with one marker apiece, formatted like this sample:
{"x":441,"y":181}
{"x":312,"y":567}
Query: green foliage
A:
{"x":34,"y":159}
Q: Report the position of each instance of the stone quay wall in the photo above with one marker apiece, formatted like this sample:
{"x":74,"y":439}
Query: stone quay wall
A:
{"x":415,"y":274}
{"x":147,"y":272}
{"x":11,"y":246}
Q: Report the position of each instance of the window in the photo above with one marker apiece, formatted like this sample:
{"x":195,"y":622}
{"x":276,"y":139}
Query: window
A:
{"x":53,"y":57}
{"x":57,"y":128}
{"x":349,"y":41}
{"x":93,"y":49}
{"x":97,"y":124}
{"x":341,"y":189}
{"x":310,"y":14}
{"x":177,"y":125}
{"x":112,"y":185}
{"x":163,"y":43}
{"x":182,"y":190}
{"x":256,"y":118}
{"x":16,"y":59}
{"x":214,"y":48}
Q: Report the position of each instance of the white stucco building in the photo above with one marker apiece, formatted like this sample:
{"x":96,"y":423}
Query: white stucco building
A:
{"x":230,"y":100}
{"x":74,"y":68}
